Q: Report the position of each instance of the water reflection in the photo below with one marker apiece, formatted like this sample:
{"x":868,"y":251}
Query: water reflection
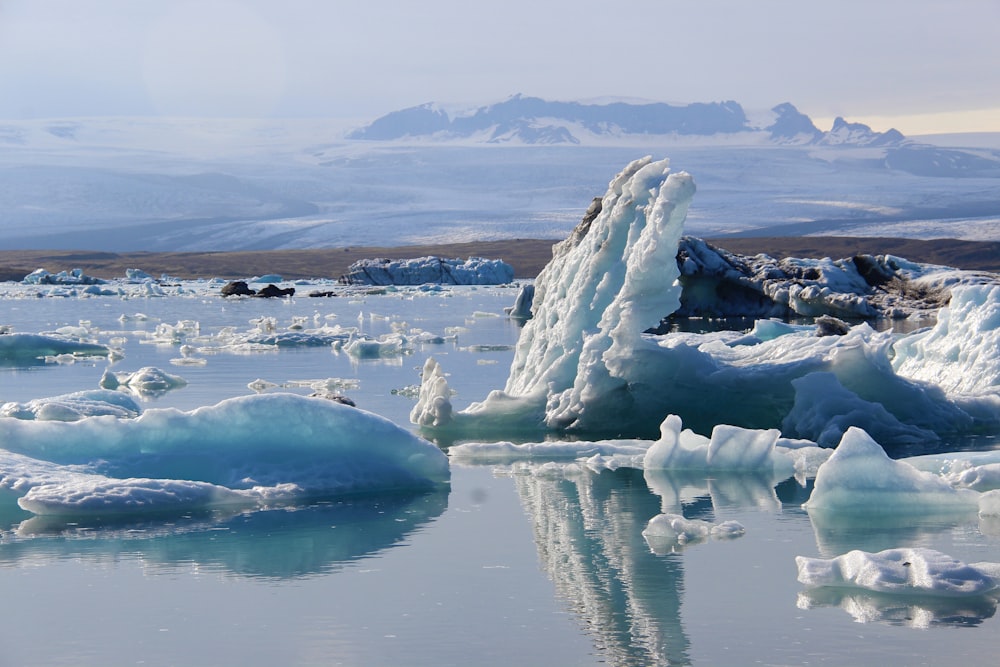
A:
{"x":907,"y":611}
{"x":282,"y":543}
{"x":588,"y":531}
{"x":689,"y":491}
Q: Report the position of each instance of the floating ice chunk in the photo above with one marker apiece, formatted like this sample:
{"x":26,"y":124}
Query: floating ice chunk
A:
{"x":860,"y":477}
{"x":917,"y":571}
{"x":665,"y":532}
{"x":731,"y":448}
{"x":147,"y":380}
{"x":260,"y":385}
{"x":23,"y":347}
{"x":521,"y":310}
{"x":75,"y":406}
{"x":961,"y":353}
{"x":322,"y":447}
{"x":389,"y":346}
{"x":433,"y":406}
{"x":137,"y":276}
{"x":105,"y":496}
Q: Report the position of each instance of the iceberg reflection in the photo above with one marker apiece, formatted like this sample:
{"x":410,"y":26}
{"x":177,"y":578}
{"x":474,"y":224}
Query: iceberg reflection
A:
{"x":290,"y":542}
{"x":588,"y":531}
{"x":914,"y":612}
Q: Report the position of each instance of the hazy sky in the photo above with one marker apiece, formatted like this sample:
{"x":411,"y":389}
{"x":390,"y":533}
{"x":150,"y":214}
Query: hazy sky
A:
{"x":886,"y":62}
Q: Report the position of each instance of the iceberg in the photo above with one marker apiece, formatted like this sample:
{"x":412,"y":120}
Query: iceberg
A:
{"x":428,"y":270}
{"x":916,"y":571}
{"x":24,"y":348}
{"x":589,"y":361}
{"x":251,"y":450}
{"x":74,"y":406}
{"x":145,"y":381}
{"x":860,"y":478}
{"x":665,"y":532}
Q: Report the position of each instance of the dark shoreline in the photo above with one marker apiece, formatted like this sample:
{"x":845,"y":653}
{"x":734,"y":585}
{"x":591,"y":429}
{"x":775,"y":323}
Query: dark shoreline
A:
{"x":527,"y":256}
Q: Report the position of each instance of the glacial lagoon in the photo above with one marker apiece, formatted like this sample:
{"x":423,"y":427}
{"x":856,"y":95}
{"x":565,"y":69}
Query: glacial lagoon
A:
{"x":510,"y":563}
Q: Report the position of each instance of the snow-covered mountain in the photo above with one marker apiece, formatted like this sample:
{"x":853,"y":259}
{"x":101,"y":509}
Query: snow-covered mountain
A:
{"x":532,"y":120}
{"x":524,"y":168}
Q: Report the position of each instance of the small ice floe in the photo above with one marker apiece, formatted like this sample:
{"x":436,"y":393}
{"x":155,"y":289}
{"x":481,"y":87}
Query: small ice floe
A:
{"x":666,"y":532}
{"x":860,"y":478}
{"x":75,"y":406}
{"x":260,"y":385}
{"x":18,"y":348}
{"x":145,"y":381}
{"x":521,"y":310}
{"x":391,"y":345}
{"x":731,"y":448}
{"x":483,"y":347}
{"x":915,"y":572}
{"x":187,"y":357}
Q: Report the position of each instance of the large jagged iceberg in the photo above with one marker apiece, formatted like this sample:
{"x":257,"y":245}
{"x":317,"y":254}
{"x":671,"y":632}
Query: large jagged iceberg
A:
{"x":592,"y":302}
{"x":587,"y":361}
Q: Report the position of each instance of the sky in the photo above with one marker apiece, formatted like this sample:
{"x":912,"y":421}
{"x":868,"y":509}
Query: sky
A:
{"x":922,"y":66}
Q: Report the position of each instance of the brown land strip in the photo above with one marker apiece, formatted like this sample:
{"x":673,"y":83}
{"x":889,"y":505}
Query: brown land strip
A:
{"x":527,"y":256}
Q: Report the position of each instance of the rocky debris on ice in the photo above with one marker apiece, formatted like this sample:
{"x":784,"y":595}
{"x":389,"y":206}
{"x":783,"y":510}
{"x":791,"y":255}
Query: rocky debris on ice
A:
{"x":424,"y":270}
{"x":717,"y":283}
{"x":240,"y":288}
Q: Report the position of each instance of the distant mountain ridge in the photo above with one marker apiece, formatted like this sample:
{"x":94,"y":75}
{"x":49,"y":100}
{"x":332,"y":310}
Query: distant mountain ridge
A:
{"x":532,"y":120}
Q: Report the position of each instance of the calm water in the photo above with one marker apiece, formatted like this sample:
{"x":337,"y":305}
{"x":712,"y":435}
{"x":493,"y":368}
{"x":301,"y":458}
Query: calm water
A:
{"x":511,"y":566}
